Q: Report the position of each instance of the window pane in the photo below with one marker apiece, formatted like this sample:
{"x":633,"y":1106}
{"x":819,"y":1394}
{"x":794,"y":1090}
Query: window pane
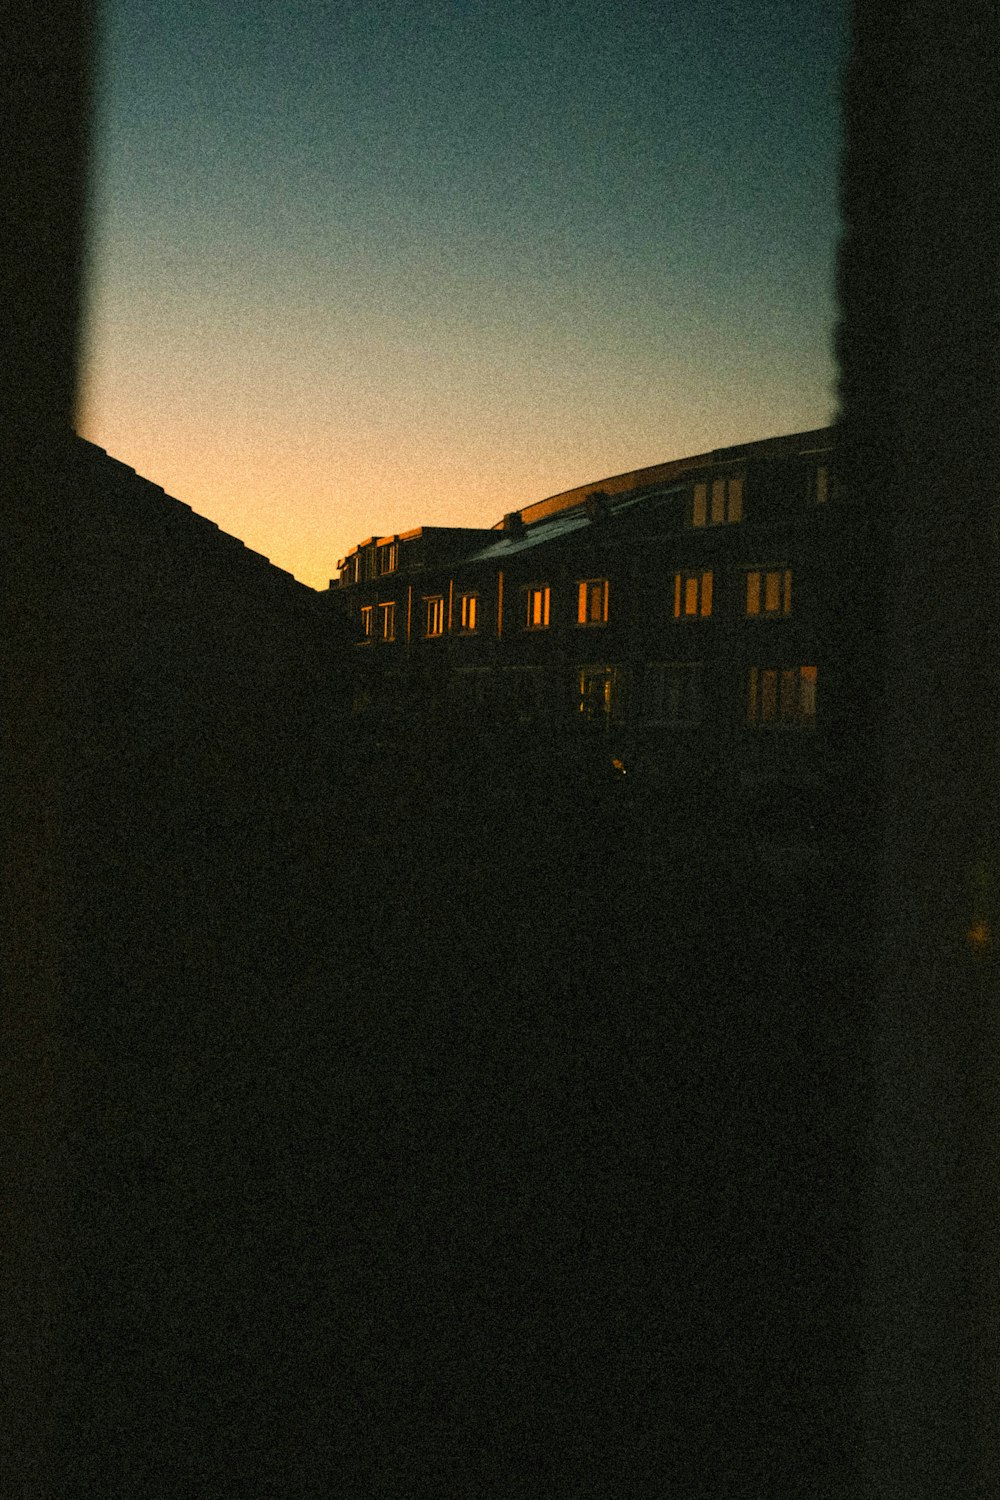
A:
{"x":769,"y":695}
{"x":700,"y":505}
{"x":470,"y":620}
{"x":581,"y":605}
{"x":545,"y":606}
{"x":822,"y":485}
{"x":753,"y":593}
{"x":706,"y":593}
{"x":790,"y":694}
{"x":736,"y":499}
{"x":691,"y":596}
{"x":718,"y":501}
{"x":772,"y":599}
{"x":752,"y":700}
{"x":808,"y":692}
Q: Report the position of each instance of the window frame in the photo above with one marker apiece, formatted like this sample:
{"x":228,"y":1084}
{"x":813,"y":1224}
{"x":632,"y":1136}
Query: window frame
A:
{"x":367,"y":613}
{"x":614,"y":712}
{"x":544,"y":592}
{"x":703,"y":581}
{"x":783,"y":609}
{"x":464,"y":627}
{"x":585,"y":592}
{"x":717,"y":500}
{"x":387,"y":615}
{"x":694,"y":694}
{"x":435,"y":603}
{"x":387,"y":554}
{"x":782,"y":697}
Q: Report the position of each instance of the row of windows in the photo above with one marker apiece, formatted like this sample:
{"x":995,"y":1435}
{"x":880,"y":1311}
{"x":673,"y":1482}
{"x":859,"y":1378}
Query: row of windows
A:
{"x":669,"y":693}
{"x":714,"y":502}
{"x":768,"y":594}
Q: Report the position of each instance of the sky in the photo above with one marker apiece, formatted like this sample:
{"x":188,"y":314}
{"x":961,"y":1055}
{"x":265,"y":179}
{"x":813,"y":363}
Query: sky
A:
{"x":363,"y":265}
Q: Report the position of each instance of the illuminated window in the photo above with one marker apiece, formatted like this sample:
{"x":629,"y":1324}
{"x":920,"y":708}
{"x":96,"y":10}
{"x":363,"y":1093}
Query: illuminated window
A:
{"x":387,"y":621}
{"x":770,"y":592}
{"x":782,"y":695}
{"x":671,"y":693}
{"x":388,"y":557}
{"x":592,"y":602}
{"x":367,"y":612}
{"x":538,"y":608}
{"x":434,"y":616}
{"x":599,"y":694}
{"x":717,"y":502}
{"x":692,"y":595}
{"x":468,"y":612}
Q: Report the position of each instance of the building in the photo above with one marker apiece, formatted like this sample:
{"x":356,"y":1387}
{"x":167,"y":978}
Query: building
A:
{"x":676,"y":622}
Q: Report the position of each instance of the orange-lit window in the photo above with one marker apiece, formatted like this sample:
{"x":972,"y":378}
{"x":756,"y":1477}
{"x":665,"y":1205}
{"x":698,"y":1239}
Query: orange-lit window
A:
{"x":769,"y":592}
{"x":388,"y":557}
{"x":692,"y":595}
{"x":434,"y":615}
{"x":538,"y":607}
{"x":367,"y":611}
{"x":468,"y":612}
{"x":717,"y":502}
{"x":599,"y":694}
{"x":782,"y":696}
{"x":387,"y":620}
{"x":592,"y":602}
{"x":671,"y":693}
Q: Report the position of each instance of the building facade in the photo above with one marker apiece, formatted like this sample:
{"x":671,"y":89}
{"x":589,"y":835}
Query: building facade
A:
{"x":675,"y":622}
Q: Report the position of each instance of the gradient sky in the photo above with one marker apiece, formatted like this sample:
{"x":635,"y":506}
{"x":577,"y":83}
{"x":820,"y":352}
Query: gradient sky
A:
{"x":358,"y":267}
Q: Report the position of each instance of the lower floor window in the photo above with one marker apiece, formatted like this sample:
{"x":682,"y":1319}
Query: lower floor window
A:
{"x":472,"y":687}
{"x":387,"y":616}
{"x":782,"y":695}
{"x":599,"y":694}
{"x":671,"y":693}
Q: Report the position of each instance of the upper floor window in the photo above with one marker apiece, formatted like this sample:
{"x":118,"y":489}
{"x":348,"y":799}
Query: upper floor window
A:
{"x":539,"y":598}
{"x":718,"y":501}
{"x":770,"y":592}
{"x":367,"y":611}
{"x":388,"y":557}
{"x":692,"y":595}
{"x":468,"y":613}
{"x":592,"y":602}
{"x":782,"y":695}
{"x":671,"y":693}
{"x":434,"y":615}
{"x":387,"y":620}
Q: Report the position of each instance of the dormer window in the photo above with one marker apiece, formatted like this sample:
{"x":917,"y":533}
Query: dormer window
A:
{"x":388,"y":558}
{"x":717,"y":502}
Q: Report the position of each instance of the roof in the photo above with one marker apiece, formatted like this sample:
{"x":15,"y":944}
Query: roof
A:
{"x":552,"y":530}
